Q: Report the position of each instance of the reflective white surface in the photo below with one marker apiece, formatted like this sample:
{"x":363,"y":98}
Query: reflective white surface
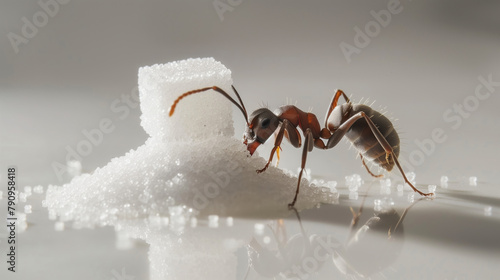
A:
{"x":449,"y":237}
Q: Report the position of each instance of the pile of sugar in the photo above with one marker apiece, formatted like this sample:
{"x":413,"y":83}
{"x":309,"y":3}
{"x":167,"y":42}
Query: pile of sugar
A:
{"x":191,"y":159}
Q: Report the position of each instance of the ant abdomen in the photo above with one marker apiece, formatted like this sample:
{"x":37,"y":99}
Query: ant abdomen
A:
{"x":363,"y":139}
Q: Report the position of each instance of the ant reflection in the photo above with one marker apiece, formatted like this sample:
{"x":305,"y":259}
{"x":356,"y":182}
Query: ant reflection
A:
{"x":294,"y":257}
{"x":370,"y":248}
{"x":375,"y":245}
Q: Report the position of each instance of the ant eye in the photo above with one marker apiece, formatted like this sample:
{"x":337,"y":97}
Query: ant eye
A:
{"x":265,"y":123}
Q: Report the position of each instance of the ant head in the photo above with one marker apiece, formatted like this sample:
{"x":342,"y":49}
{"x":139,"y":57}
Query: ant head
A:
{"x":262,"y":124}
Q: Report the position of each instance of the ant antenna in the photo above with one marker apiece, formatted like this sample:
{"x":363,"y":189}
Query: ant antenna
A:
{"x":244,"y":111}
{"x":217,"y":89}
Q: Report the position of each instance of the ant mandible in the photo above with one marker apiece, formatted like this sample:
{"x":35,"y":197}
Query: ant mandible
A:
{"x":371,"y":133}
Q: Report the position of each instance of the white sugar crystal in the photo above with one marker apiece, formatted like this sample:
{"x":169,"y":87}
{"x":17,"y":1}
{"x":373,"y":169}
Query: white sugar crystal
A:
{"x":317,"y":182}
{"x":27,"y":209}
{"x":191,"y":160}
{"x":22,"y":226}
{"x":27,"y":190}
{"x":197,"y":116}
{"x":305,"y":174}
{"x":411,"y":197}
{"x":379,"y":204}
{"x":38,"y":189}
{"x":385,"y":182}
{"x":229,"y":221}
{"x":400,"y":187}
{"x":444,"y":179}
{"x":158,"y":221}
{"x":52,"y":215}
{"x":266,"y":239}
{"x":259,"y":228}
{"x":21,"y":217}
{"x":155,"y":221}
{"x":353,"y":182}
{"x":144,"y":197}
{"x":74,"y":168}
{"x":59,"y":226}
{"x":332,"y":185}
{"x":385,"y":190}
{"x":473,"y":181}
{"x":213,"y":221}
{"x":123,"y":241}
{"x":388,"y":202}
{"x":432,"y":188}
{"x":411,"y":177}
{"x":353,"y":195}
{"x":488,"y":210}
{"x":179,"y":215}
{"x":22,"y":197}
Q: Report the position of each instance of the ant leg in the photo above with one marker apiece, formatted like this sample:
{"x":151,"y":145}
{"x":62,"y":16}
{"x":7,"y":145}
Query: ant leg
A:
{"x":388,"y":149}
{"x":278,"y":156}
{"x":406,"y":179}
{"x":333,"y":104}
{"x":402,"y":217}
{"x":278,"y":150}
{"x":292,"y":134}
{"x":343,"y":128}
{"x":308,"y":146}
{"x":368,"y":169}
{"x":277,"y":143}
{"x":355,"y":216}
{"x":248,"y":269}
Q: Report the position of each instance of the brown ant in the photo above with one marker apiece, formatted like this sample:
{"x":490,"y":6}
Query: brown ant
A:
{"x":371,"y":133}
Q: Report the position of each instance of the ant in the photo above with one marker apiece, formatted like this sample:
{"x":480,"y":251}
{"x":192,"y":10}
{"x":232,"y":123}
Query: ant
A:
{"x":371,"y":133}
